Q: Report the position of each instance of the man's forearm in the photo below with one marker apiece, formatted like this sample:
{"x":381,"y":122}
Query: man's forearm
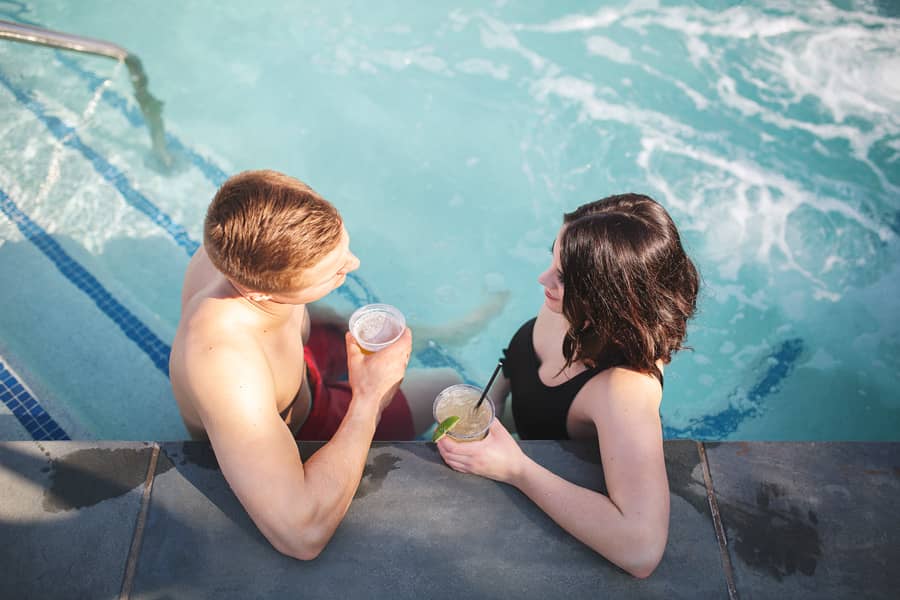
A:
{"x":333,"y":473}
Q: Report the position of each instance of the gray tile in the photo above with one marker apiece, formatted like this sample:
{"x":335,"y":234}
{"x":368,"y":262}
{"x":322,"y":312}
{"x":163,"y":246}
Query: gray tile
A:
{"x":67,"y":515}
{"x":415,"y":529}
{"x":810,"y":520}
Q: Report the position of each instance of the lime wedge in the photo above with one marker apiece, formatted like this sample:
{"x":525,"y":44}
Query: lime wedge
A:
{"x":445,"y":426}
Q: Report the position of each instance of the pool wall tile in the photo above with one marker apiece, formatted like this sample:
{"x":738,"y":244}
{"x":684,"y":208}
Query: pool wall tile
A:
{"x":26,"y":409}
{"x":133,"y":328}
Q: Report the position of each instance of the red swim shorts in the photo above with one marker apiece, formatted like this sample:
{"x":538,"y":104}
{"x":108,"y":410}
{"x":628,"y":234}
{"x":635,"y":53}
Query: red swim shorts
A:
{"x":326,"y":360}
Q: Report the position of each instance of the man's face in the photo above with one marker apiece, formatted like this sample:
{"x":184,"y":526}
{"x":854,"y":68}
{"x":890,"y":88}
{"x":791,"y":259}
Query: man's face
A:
{"x":326,"y":275}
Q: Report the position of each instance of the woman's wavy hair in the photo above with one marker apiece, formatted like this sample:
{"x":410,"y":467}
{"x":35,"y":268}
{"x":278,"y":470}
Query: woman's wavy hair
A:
{"x":629,"y":286}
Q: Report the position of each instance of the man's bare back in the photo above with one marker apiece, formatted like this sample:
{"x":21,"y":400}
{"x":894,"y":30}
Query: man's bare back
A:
{"x":216,"y":317}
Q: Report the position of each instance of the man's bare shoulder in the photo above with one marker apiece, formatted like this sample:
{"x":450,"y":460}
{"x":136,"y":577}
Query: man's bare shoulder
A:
{"x":215,"y":352}
{"x":211,"y":328}
{"x":211,"y":312}
{"x":215,"y":322}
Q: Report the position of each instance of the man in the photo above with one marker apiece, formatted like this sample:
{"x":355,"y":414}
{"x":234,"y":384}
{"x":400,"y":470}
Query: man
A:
{"x":242,"y":377}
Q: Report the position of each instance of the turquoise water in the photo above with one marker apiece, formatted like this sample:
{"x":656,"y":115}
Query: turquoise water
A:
{"x":452,"y":140}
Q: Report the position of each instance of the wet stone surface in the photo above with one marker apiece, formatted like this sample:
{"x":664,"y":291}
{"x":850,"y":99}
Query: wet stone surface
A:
{"x":810,"y":520}
{"x":802,"y":521}
{"x":415,"y":529}
{"x":67,"y":515}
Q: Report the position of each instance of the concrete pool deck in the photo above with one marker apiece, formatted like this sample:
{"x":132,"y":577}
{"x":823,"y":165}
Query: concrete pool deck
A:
{"x":149,"y":521}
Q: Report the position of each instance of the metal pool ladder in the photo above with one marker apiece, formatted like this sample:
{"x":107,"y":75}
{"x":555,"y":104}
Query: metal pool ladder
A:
{"x":150,"y":106}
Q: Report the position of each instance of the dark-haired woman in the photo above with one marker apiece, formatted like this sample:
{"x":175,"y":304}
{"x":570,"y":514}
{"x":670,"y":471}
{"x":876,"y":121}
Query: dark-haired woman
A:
{"x":617,"y":298}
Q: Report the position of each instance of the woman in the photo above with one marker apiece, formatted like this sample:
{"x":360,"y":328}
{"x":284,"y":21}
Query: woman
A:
{"x":618,"y":295}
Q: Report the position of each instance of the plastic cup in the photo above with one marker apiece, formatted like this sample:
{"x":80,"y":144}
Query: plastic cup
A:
{"x":377,"y":326}
{"x":459,"y":400}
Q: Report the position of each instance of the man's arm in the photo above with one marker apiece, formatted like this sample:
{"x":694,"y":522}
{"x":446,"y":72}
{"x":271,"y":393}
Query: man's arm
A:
{"x":297,"y":507}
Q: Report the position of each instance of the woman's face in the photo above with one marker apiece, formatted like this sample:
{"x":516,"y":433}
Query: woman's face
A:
{"x":551,"y":279}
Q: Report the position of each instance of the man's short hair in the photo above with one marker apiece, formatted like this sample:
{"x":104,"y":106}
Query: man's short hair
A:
{"x":263,"y":228}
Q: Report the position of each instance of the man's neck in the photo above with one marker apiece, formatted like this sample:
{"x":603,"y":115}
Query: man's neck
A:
{"x":273,"y":312}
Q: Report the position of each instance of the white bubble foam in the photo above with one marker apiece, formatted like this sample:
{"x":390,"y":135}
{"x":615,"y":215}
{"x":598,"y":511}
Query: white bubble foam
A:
{"x":602,"y":46}
{"x":480,"y":66}
{"x":376,"y":328}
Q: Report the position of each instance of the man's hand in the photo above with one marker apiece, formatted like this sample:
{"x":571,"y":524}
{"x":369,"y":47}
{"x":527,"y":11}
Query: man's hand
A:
{"x":377,"y":375}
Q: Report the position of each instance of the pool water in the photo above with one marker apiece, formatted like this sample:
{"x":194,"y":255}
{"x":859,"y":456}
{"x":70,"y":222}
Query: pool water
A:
{"x":452,"y":140}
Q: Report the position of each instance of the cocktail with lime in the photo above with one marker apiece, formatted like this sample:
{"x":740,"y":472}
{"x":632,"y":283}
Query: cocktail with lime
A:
{"x":459,"y":401}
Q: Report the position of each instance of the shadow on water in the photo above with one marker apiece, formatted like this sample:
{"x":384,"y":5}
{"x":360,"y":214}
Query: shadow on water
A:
{"x":151,"y":269}
{"x":68,"y":298}
{"x":142,"y":271}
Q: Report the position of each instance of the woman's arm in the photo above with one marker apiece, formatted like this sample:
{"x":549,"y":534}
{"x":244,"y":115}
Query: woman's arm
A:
{"x":630,"y":526}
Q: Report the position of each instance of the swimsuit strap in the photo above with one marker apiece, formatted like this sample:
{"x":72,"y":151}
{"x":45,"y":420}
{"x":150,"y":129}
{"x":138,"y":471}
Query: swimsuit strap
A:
{"x":312,"y":397}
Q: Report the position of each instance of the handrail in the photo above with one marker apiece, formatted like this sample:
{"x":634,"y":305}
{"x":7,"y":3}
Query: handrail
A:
{"x":150,"y":106}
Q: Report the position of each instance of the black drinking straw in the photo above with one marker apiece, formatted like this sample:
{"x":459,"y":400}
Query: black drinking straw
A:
{"x":488,"y":386}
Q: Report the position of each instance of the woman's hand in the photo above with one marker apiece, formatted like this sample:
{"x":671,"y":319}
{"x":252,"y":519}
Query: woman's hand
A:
{"x":496,"y":457}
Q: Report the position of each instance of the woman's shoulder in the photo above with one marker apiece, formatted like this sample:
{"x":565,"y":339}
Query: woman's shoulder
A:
{"x":622,"y":388}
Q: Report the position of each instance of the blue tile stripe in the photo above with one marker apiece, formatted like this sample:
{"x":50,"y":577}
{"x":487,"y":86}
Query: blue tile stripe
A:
{"x":719,"y":425}
{"x":435,"y":356}
{"x":713,"y":426}
{"x":27,"y":409}
{"x":109,"y":172}
{"x":356,"y":290}
{"x":131,"y":326}
{"x":212,"y":172}
{"x":133,"y":197}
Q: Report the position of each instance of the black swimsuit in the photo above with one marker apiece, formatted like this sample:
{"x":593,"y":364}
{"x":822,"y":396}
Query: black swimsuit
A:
{"x":540,"y":411}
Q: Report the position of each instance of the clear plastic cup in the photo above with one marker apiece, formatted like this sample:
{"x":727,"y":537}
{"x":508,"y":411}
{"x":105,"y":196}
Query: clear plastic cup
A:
{"x":459,"y":400}
{"x":377,"y":326}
